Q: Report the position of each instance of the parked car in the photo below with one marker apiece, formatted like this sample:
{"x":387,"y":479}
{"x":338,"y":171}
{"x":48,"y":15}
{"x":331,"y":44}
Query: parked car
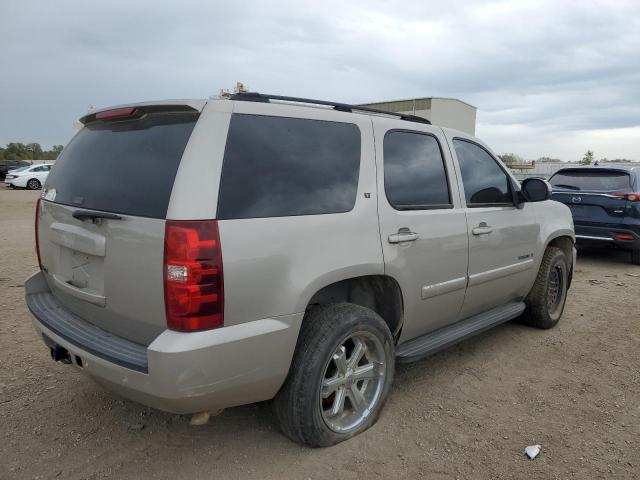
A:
{"x":6,"y":165}
{"x":605,"y":203}
{"x":197,"y":255}
{"x":31,"y":177}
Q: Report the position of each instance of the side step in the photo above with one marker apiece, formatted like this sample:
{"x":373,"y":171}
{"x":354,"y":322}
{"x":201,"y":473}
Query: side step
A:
{"x":433,"y":342}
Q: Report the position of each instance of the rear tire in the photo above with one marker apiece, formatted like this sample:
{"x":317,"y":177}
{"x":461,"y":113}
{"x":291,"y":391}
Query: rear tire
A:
{"x":33,"y":184}
{"x":635,"y":257}
{"x":340,"y":375}
{"x":546,"y":300}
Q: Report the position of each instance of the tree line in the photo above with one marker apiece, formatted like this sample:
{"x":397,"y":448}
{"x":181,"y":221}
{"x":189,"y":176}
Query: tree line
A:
{"x":511,"y":159}
{"x":28,"y":151}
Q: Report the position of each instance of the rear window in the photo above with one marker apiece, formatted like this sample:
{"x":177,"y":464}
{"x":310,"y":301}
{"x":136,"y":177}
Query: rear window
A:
{"x":414,"y":173}
{"x":279,"y":166}
{"x":123,"y":167}
{"x":592,"y":180}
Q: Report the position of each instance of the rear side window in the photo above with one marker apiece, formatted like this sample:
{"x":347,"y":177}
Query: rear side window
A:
{"x":485,"y":183}
{"x":278,"y":166}
{"x":124,"y":166}
{"x":592,"y":180}
{"x":414,"y":172}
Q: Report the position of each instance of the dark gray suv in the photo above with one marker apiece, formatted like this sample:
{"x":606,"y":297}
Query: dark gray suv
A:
{"x":605,"y":204}
{"x":6,"y":165}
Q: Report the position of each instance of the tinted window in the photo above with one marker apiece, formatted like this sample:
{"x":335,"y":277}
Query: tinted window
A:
{"x":484,"y":181}
{"x":414,"y":172}
{"x":276,"y":166}
{"x":125,"y":166}
{"x":592,"y":180}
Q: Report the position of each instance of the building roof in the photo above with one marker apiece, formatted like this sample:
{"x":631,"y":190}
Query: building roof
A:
{"x":419,"y":99}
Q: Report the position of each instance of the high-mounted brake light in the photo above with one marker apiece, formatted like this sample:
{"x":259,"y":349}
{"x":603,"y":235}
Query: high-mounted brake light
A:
{"x":193,"y":280}
{"x":631,"y":196}
{"x":36,"y":232}
{"x":116,"y":113}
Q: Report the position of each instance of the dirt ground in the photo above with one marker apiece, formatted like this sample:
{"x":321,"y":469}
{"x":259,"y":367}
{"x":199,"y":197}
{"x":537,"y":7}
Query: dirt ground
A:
{"x":465,"y":413}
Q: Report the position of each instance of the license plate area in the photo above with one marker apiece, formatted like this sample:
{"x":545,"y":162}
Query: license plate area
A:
{"x":81,"y":270}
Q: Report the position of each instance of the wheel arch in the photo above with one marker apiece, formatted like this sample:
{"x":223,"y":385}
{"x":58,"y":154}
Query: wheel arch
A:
{"x":566,"y":242}
{"x":378,"y":292}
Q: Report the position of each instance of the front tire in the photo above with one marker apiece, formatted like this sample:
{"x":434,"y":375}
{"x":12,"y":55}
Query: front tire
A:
{"x":33,"y":184}
{"x":546,"y":300}
{"x":340,"y":376}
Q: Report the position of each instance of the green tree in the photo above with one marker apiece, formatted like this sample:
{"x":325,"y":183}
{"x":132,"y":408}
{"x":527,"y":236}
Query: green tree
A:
{"x":588,"y":158}
{"x":511,"y":159}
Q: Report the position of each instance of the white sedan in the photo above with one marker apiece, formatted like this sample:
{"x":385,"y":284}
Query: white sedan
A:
{"x":31,"y":177}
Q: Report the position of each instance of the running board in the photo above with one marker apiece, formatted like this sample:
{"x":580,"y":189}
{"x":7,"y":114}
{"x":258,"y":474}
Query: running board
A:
{"x":433,"y":342}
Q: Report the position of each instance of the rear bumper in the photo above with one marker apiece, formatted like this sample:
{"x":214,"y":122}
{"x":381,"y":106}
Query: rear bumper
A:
{"x":16,"y":182}
{"x":607,"y":235}
{"x":185,"y":372}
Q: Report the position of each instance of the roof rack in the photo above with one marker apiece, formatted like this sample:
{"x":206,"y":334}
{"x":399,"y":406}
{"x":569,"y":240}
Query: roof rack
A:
{"x":341,"y":107}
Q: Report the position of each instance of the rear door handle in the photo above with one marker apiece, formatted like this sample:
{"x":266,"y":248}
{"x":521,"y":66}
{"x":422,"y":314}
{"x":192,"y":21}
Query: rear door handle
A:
{"x":482,"y":229}
{"x":403,"y":235}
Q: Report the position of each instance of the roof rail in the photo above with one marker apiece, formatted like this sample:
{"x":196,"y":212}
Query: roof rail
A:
{"x":341,"y":107}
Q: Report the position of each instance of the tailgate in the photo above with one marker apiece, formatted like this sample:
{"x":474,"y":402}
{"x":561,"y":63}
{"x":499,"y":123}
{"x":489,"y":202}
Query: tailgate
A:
{"x":593,"y":206}
{"x":594,"y":195}
{"x":102,"y":219}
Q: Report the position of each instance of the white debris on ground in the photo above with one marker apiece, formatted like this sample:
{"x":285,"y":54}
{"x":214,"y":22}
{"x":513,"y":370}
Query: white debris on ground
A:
{"x":532,"y":451}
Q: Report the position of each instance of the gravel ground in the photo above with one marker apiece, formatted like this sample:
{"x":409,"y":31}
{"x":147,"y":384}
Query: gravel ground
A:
{"x":464,"y":413}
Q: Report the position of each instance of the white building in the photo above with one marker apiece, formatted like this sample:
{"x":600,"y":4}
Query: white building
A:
{"x":445,"y":112}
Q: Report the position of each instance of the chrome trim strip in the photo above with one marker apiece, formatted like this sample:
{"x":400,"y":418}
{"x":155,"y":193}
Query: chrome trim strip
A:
{"x":430,"y":291}
{"x":496,"y":273}
{"x":590,"y":237}
{"x":586,"y":194}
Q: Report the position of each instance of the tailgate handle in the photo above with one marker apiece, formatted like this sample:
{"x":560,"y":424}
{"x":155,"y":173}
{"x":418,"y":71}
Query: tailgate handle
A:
{"x":80,"y":293}
{"x":95,"y":217}
{"x":78,"y":238}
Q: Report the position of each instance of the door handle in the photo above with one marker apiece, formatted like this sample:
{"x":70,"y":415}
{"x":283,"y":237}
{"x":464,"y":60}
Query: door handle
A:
{"x":482,"y":229}
{"x":403,"y":235}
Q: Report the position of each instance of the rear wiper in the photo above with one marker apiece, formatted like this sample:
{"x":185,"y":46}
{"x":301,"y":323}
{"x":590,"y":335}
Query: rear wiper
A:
{"x":95,"y":217}
{"x":570,"y":187}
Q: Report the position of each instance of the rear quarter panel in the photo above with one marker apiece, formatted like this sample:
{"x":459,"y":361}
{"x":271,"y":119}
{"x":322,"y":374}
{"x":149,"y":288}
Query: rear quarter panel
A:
{"x":273,"y":266}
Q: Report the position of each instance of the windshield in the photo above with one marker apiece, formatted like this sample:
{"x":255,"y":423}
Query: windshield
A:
{"x":600,"y":181}
{"x":21,"y":169}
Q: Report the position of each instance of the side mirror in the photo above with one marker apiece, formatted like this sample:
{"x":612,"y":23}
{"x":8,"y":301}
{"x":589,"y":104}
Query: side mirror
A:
{"x":536,"y":190}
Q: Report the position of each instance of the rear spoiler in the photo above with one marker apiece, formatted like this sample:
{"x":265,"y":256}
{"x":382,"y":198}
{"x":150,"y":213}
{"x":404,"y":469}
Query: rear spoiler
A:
{"x":138,"y":110}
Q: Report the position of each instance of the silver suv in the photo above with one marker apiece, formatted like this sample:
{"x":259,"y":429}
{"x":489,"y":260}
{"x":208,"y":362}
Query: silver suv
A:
{"x":196,"y":255}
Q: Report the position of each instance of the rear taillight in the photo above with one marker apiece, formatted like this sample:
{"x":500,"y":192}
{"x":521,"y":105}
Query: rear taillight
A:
{"x":36,"y":232}
{"x":624,"y":236}
{"x":193,"y":280}
{"x":631,"y":196}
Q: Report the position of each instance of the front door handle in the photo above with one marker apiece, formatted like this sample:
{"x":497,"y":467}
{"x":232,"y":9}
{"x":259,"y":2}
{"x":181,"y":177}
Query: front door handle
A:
{"x":482,"y":229}
{"x":403,"y":235}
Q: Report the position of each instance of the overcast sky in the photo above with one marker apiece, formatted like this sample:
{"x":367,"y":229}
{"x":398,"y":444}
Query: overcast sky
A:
{"x":548,"y":77}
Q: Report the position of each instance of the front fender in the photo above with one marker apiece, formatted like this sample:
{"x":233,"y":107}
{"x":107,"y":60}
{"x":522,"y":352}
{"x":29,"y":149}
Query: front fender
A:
{"x":555,"y":221}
